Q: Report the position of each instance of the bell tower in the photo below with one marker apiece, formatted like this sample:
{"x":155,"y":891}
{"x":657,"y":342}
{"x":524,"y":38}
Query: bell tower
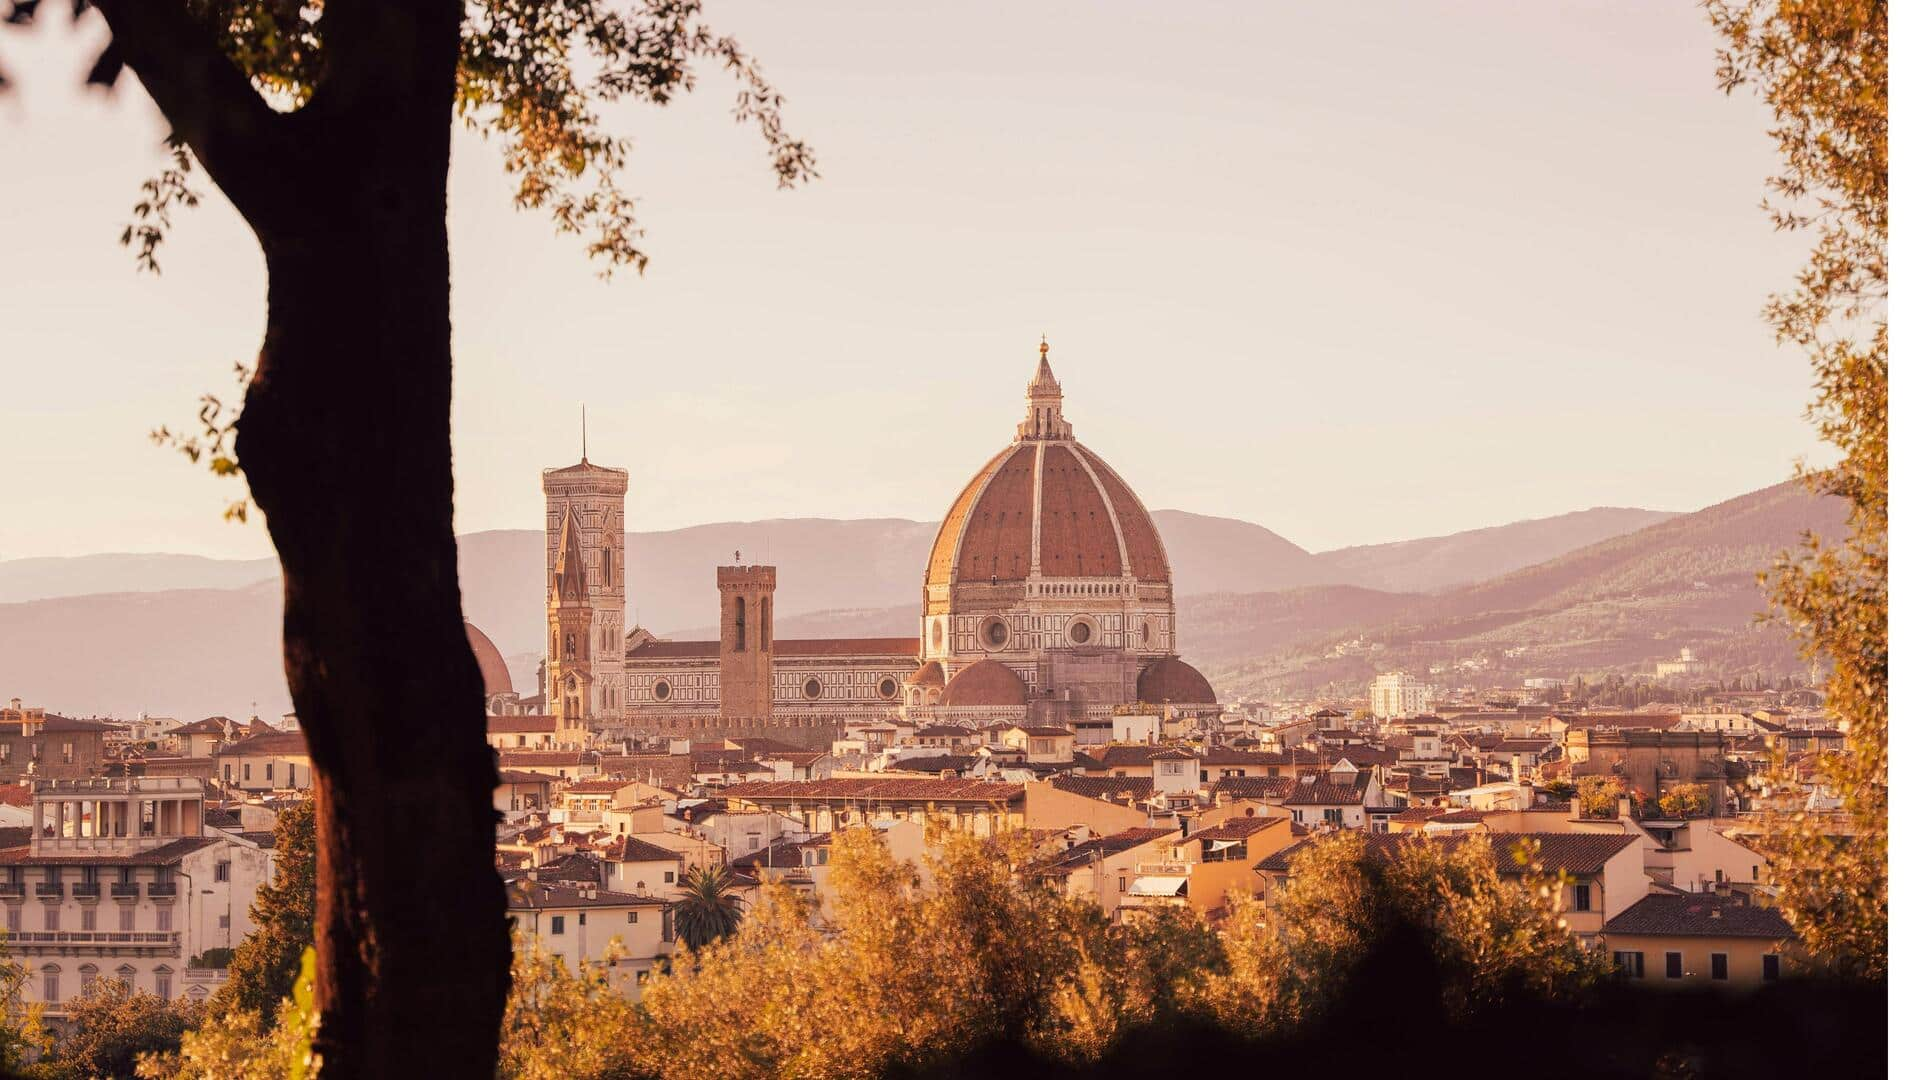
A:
{"x":746,"y":641}
{"x":570,"y":676}
{"x":590,"y":500}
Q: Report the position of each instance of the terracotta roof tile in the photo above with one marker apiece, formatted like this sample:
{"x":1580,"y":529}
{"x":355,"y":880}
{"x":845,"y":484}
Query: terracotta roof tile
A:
{"x":885,"y":788}
{"x":1698,"y":915}
{"x":1239,"y":828}
{"x":1115,"y":788}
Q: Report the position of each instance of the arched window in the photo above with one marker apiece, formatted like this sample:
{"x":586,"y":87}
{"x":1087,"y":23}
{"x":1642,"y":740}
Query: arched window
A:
{"x":766,"y":626}
{"x":739,"y":624}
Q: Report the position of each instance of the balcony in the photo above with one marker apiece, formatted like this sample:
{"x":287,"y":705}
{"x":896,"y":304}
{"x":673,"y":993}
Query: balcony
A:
{"x":50,"y":888}
{"x":86,"y":890}
{"x":166,"y":890}
{"x":13,"y":888}
{"x":165,"y":942}
{"x":125,"y":890}
{"x":1166,"y":869}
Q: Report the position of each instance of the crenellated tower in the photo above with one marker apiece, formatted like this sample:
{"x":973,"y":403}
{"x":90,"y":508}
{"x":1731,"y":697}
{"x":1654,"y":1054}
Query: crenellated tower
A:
{"x":746,"y":641}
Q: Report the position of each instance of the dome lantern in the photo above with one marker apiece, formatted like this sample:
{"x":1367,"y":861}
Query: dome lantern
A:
{"x":1044,"y":419}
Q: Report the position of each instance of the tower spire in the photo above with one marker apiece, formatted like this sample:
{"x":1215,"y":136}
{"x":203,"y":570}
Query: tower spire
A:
{"x":583,"y":433}
{"x":1044,"y":419}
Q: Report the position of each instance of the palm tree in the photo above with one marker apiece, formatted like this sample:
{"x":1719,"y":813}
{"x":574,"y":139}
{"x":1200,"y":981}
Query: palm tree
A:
{"x":708,"y":908}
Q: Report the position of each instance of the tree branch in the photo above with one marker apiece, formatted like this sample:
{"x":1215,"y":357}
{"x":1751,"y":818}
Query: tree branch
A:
{"x":209,"y":101}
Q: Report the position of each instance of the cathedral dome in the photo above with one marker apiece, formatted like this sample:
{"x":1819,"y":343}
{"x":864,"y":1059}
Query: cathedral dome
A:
{"x":1173,"y":681}
{"x":985,"y":683}
{"x":931,"y":674}
{"x":1046,"y":507}
{"x":493,"y":668}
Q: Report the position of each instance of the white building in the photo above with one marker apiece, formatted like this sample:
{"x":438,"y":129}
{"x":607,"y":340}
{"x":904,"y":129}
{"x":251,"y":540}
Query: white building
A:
{"x":1397,"y":695}
{"x":577,"y":923}
{"x":121,"y":879}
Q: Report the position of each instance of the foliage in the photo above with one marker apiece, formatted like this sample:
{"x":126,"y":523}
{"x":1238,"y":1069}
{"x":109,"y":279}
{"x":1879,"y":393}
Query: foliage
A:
{"x":110,"y":1027}
{"x":1822,"y":67}
{"x":1559,"y":789}
{"x":212,"y":958}
{"x":1496,"y":940}
{"x":233,"y":1044}
{"x":22,"y":1035}
{"x":1286,"y":962}
{"x":914,"y":974}
{"x":213,"y":440}
{"x":709,"y":907}
{"x":1492,"y":940}
{"x":561,"y":1024}
{"x":910,"y":974}
{"x":265,"y":966}
{"x":1599,"y":796}
{"x":531,"y":76}
{"x":1683,"y":800}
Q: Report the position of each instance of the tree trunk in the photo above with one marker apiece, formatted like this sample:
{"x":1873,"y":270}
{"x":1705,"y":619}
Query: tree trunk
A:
{"x":346,"y":443}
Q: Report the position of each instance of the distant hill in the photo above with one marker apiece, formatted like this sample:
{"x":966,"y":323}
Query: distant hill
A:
{"x":1216,"y":554}
{"x":82,"y":634}
{"x":1441,"y":562}
{"x":80,"y":575}
{"x":1618,"y":604}
{"x":186,"y":653}
{"x":1217,"y":629}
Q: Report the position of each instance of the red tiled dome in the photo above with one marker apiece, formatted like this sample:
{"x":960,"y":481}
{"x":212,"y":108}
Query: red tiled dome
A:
{"x":985,"y":683}
{"x":493,"y":668}
{"x":930,"y":674}
{"x":1174,"y":682}
{"x":1089,"y":523}
{"x":1046,"y":505}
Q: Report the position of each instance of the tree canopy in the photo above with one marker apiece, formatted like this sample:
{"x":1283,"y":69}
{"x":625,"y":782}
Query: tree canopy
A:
{"x":1822,"y":67}
{"x":264,"y":967}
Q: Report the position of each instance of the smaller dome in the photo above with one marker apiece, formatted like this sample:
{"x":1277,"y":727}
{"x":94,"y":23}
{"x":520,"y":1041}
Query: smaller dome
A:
{"x":1174,"y":682}
{"x":930,"y":674}
{"x":493,"y":668}
{"x":985,"y":684}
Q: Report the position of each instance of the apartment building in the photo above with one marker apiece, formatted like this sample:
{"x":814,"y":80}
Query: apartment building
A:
{"x":120,"y":878}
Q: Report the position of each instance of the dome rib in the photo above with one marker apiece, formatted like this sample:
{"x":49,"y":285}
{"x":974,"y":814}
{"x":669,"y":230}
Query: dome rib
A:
{"x":995,"y":543}
{"x":943,"y":561}
{"x":1106,"y":500}
{"x":1146,"y":554}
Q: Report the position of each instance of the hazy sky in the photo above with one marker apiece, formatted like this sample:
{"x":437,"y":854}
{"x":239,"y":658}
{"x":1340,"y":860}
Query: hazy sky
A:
{"x":1355,"y":272}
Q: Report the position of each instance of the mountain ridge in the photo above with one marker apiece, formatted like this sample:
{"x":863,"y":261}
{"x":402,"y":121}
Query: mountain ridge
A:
{"x":218,"y":647}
